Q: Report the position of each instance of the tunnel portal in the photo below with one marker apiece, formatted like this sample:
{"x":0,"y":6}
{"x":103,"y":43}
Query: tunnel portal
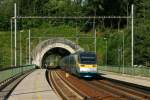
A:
{"x":51,"y":48}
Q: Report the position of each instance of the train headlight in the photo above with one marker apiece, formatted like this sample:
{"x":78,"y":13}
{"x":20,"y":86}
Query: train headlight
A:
{"x":82,"y":65}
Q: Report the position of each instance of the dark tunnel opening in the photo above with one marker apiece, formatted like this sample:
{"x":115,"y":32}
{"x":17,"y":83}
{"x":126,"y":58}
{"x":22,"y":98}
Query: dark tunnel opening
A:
{"x":52,"y":57}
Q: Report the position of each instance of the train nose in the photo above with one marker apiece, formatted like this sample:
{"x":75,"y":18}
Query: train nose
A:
{"x":87,"y":76}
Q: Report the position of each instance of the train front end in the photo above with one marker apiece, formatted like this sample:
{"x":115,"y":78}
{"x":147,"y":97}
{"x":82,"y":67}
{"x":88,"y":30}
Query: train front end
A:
{"x":87,"y":64}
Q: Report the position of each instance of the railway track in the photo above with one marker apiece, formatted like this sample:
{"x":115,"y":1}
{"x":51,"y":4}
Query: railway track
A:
{"x":63,"y":88}
{"x":73,"y":88}
{"x":121,"y":90}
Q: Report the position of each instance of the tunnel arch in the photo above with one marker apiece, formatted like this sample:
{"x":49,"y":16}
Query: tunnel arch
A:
{"x":43,"y":47}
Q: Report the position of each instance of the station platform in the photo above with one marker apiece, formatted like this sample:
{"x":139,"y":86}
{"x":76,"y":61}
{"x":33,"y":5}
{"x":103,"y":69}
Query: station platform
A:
{"x":142,"y":81}
{"x":34,"y":87}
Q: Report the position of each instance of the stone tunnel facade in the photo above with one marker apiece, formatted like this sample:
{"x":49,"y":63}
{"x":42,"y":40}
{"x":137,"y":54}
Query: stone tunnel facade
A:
{"x":46,"y":45}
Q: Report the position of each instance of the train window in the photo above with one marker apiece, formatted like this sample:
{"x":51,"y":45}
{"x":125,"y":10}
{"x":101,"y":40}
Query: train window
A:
{"x":88,"y":58}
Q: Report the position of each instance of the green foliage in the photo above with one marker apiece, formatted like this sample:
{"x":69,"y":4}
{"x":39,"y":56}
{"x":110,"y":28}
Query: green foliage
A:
{"x":109,"y":28}
{"x":142,"y":34}
{"x":6,"y":11}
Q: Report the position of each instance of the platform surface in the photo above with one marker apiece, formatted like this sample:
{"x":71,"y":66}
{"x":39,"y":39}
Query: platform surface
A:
{"x":34,"y":87}
{"x":143,"y":81}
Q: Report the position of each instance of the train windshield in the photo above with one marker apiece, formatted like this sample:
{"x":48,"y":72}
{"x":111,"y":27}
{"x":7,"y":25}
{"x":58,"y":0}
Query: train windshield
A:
{"x":88,"y":58}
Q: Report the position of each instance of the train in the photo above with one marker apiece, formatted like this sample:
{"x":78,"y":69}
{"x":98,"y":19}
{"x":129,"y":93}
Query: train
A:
{"x":81,"y":64}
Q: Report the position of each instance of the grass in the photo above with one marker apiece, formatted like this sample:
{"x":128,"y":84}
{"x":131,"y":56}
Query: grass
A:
{"x":45,"y":32}
{"x":5,"y":50}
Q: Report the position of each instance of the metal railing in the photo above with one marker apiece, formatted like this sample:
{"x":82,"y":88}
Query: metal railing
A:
{"x":135,"y":71}
{"x":8,"y":73}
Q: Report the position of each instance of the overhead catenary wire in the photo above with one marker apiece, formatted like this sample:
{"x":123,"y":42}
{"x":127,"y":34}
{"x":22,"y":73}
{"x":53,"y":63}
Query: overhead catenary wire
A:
{"x":71,"y":17}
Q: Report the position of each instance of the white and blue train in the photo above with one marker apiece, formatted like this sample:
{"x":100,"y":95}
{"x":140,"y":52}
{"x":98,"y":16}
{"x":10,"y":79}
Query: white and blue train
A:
{"x":82,"y":64}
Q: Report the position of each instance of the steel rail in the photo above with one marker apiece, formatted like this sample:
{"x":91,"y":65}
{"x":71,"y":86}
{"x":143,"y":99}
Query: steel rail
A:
{"x":64,"y":90}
